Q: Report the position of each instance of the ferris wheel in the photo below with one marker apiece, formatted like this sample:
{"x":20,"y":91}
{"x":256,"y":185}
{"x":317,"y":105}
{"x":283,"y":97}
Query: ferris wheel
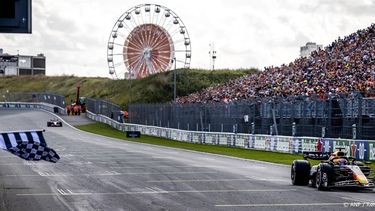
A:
{"x":145,"y":40}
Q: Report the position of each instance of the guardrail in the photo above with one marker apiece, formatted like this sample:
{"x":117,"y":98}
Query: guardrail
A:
{"x":360,"y":149}
{"x":32,"y":106}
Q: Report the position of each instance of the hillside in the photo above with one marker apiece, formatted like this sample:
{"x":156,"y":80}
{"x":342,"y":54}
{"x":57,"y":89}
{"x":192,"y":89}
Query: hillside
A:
{"x":154,"y":89}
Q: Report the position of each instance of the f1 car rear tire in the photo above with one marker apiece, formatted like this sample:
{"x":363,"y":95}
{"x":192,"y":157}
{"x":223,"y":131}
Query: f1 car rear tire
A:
{"x":300,"y":172}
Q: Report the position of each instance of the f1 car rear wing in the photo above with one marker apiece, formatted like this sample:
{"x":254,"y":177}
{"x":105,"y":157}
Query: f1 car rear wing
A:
{"x":316,"y":155}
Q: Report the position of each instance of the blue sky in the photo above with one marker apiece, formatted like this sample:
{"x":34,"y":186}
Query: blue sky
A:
{"x":246,"y":33}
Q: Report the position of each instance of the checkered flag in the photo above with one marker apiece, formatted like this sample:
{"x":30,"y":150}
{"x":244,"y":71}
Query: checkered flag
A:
{"x":29,"y":145}
{"x":35,"y":151}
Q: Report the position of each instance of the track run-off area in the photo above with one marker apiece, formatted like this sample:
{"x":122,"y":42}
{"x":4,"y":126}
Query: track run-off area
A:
{"x":100,"y":173}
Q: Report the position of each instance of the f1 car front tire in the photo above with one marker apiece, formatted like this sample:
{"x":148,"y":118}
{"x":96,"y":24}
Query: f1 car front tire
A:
{"x":300,"y":172}
{"x":322,"y":178}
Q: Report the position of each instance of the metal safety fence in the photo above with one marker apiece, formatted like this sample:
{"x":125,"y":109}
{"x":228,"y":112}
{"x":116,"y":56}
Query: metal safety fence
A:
{"x":352,"y":117}
{"x":106,"y":108}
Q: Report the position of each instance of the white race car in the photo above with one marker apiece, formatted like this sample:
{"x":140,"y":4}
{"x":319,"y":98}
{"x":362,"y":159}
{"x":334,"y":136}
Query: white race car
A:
{"x":54,"y":123}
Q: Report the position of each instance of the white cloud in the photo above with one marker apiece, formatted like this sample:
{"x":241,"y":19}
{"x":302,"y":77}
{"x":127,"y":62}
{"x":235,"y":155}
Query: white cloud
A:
{"x":74,"y":34}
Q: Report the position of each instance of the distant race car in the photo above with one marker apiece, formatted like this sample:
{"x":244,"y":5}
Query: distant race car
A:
{"x":334,"y":170}
{"x":54,"y":123}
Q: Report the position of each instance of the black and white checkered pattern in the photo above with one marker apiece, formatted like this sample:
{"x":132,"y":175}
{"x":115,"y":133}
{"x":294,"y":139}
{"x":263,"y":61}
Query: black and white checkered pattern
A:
{"x":35,"y":151}
{"x":29,"y":145}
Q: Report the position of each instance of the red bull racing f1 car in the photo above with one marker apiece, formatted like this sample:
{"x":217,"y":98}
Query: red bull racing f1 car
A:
{"x":334,"y":170}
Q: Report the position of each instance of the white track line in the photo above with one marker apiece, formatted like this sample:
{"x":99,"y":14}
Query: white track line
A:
{"x":281,"y":205}
{"x":146,"y":167}
{"x":154,"y":191}
{"x":357,"y":200}
{"x":109,"y":162}
{"x":268,"y":179}
{"x":197,"y":180}
{"x":130,"y":159}
{"x":39,"y":163}
{"x":109,"y":173}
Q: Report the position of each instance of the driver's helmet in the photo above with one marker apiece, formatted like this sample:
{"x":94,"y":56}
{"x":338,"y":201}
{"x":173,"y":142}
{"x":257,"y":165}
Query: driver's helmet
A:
{"x":341,"y":161}
{"x":338,"y":158}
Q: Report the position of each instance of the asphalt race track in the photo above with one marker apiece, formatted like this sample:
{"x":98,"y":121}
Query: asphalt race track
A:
{"x":99,"y":173}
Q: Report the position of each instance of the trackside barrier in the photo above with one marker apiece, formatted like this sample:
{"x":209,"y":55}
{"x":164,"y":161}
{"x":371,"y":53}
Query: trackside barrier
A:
{"x":31,"y":106}
{"x":360,"y":149}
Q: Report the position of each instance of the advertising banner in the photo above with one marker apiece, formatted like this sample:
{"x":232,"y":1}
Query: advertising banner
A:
{"x":185,"y":136}
{"x":308,"y":145}
{"x":231,"y":140}
{"x":272,"y":143}
{"x":260,"y":142}
{"x":283,"y":144}
{"x":179,"y":135}
{"x":240,"y":140}
{"x":195,"y":137}
{"x":327,"y":145}
{"x":148,"y":131}
{"x":360,"y":150}
{"x":163,"y":133}
{"x":222,"y":139}
{"x":295,"y":145}
{"x":249,"y":141}
{"x":201,"y":138}
{"x":144,"y":130}
{"x":341,"y":143}
{"x":209,"y":138}
{"x":154,"y":132}
{"x":371,"y":149}
{"x":190,"y":136}
{"x":216,"y":139}
{"x":174,"y":134}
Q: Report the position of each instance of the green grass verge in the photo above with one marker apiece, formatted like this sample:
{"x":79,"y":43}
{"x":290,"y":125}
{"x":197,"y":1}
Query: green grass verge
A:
{"x":273,"y":157}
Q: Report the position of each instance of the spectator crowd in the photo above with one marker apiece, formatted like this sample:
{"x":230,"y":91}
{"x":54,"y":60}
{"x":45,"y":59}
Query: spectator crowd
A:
{"x":344,"y":67}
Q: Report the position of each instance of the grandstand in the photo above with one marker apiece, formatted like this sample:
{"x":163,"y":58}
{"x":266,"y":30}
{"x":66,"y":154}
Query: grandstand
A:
{"x":344,"y":67}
